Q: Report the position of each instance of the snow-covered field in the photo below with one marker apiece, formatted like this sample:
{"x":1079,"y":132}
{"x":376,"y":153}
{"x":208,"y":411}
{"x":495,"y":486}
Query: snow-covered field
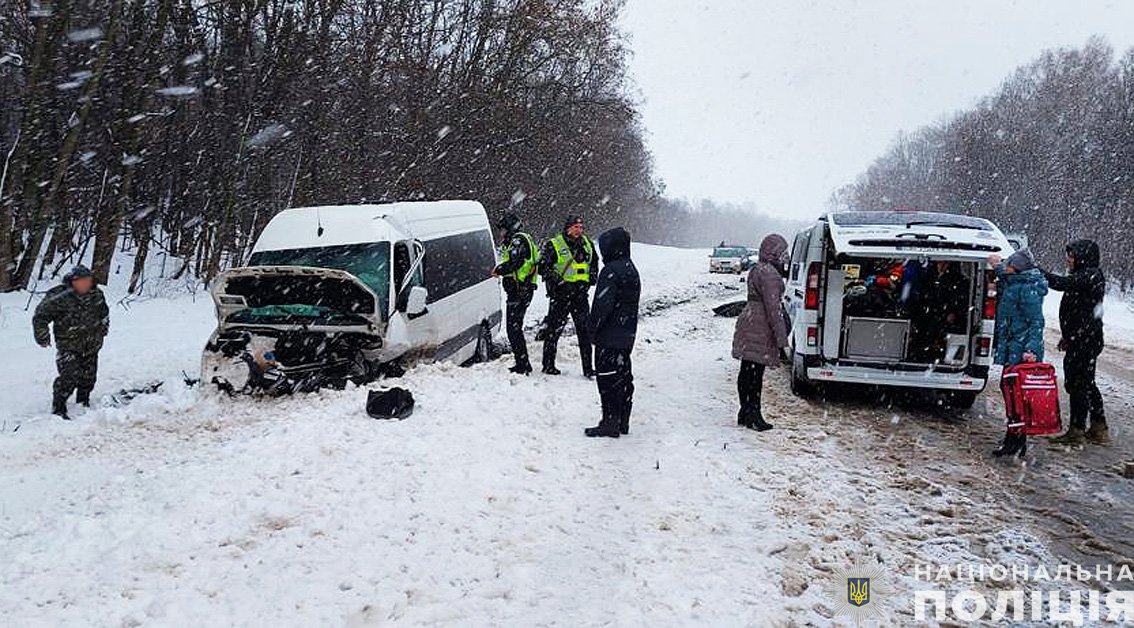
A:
{"x":486,"y":507}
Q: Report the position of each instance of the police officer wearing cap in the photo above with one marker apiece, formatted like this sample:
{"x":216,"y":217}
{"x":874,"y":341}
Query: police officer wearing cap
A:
{"x":570,"y":266}
{"x":519,"y":260}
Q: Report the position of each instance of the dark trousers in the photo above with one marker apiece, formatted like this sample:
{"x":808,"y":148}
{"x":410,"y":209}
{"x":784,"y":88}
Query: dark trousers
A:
{"x":576,"y":305}
{"x":750,"y":385}
{"x":516,"y":305}
{"x":77,"y":373}
{"x":1079,"y":379}
{"x":615,"y":377}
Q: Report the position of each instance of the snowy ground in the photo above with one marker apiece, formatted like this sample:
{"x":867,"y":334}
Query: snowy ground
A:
{"x":487,"y":506}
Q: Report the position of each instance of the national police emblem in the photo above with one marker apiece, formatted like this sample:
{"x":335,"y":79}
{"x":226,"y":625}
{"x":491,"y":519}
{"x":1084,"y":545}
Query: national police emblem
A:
{"x":858,"y":592}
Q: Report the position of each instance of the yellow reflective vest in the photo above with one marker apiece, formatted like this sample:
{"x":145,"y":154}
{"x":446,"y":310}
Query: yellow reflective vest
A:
{"x":527,"y":271}
{"x":565,"y":265}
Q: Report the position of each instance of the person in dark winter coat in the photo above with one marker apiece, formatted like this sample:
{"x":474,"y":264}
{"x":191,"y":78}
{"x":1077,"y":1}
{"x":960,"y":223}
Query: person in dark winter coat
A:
{"x":519,"y":268}
{"x":613,"y":323}
{"x":1019,"y":325}
{"x":1081,"y":327}
{"x":938,"y":306}
{"x":569,"y":266}
{"x":761,"y":331}
{"x":77,"y":313}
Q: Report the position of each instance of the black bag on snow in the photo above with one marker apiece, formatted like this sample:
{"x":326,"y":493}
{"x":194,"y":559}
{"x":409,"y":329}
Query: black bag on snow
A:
{"x":731,"y":309}
{"x":395,"y":403}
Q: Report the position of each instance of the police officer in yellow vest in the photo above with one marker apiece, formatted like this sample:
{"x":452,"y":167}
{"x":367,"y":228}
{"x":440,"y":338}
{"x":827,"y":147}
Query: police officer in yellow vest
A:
{"x":519,"y":259}
{"x":570,"y":266}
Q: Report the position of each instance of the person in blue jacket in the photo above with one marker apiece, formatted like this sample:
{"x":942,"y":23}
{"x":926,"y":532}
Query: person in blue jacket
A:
{"x":1019,"y":324}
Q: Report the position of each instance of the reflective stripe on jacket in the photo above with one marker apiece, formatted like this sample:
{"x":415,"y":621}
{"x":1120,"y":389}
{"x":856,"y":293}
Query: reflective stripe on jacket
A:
{"x":565,"y":264}
{"x":526,"y":273}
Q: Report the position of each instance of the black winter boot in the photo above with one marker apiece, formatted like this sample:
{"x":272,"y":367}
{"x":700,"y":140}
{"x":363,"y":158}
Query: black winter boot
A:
{"x":756,"y":422}
{"x":1013,"y":444}
{"x":522,"y":369}
{"x":600,"y":431}
{"x":551,"y":370}
{"x":59,"y":409}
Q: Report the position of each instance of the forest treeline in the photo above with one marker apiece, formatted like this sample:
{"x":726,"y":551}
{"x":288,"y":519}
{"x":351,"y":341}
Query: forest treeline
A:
{"x":1049,"y":154}
{"x":183,"y":126}
{"x":704,"y":223}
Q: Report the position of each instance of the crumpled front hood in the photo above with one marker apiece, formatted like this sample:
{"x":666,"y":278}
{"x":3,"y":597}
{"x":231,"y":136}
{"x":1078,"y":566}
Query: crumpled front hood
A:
{"x":278,"y":288}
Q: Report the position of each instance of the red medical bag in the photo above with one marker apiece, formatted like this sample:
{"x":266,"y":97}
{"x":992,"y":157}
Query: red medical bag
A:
{"x":1031,"y":397}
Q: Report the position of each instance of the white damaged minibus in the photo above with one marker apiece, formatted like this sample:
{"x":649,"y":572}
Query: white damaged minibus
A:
{"x":341,"y":292}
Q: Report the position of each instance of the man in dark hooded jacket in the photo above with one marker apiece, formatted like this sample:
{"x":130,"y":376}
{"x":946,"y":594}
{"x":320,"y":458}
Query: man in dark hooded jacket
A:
{"x":77,"y":314}
{"x":569,"y":266}
{"x":613,"y":323}
{"x":1080,"y":322}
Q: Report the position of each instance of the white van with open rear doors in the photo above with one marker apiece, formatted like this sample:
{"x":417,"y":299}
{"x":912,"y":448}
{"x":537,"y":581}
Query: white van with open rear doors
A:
{"x":898,"y":298}
{"x":340,"y":293}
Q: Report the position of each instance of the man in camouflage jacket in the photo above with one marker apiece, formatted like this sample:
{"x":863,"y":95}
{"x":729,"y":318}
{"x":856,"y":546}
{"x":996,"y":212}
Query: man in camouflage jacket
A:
{"x":79,"y":317}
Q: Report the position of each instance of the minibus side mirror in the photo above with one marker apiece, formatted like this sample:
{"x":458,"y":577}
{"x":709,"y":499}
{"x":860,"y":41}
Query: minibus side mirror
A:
{"x":415,"y":300}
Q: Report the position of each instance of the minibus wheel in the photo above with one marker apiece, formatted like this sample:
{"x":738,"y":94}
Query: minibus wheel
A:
{"x":483,"y":345}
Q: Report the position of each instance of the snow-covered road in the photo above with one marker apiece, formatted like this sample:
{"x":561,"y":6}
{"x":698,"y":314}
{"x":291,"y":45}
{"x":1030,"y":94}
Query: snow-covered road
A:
{"x":487,"y":506}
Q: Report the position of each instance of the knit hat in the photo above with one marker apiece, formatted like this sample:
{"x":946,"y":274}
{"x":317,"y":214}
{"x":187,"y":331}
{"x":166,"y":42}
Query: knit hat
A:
{"x":1021,"y":260}
{"x":78,"y":272}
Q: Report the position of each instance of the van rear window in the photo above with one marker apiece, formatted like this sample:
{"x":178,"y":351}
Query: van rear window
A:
{"x":936,"y":219}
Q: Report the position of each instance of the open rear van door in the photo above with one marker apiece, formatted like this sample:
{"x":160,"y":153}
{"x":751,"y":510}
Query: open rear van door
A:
{"x":833,"y":316}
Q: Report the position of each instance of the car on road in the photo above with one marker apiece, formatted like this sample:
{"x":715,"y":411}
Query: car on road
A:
{"x":729,"y":259}
{"x":857,"y":289}
{"x":339,"y":292}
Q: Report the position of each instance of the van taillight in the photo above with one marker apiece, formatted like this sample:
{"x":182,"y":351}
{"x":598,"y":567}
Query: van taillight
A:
{"x":989,"y":312}
{"x":812,"y":336}
{"x":984,"y":346}
{"x":811,"y":300}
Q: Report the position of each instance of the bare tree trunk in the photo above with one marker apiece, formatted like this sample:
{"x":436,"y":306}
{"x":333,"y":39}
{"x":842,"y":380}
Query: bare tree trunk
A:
{"x":143,"y":239}
{"x":7,"y":225}
{"x":106,"y":235}
{"x":49,"y":30}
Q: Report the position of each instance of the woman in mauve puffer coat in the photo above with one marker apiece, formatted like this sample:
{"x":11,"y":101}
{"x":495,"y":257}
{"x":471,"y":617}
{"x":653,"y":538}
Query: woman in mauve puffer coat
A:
{"x":761,"y":331}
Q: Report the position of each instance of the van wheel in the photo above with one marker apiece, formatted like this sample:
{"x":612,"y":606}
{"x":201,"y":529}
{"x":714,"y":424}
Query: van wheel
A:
{"x":800,"y":386}
{"x":483,"y":345}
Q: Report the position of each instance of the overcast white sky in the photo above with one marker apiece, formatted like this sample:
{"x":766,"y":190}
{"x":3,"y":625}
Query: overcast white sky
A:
{"x":781,"y":101}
